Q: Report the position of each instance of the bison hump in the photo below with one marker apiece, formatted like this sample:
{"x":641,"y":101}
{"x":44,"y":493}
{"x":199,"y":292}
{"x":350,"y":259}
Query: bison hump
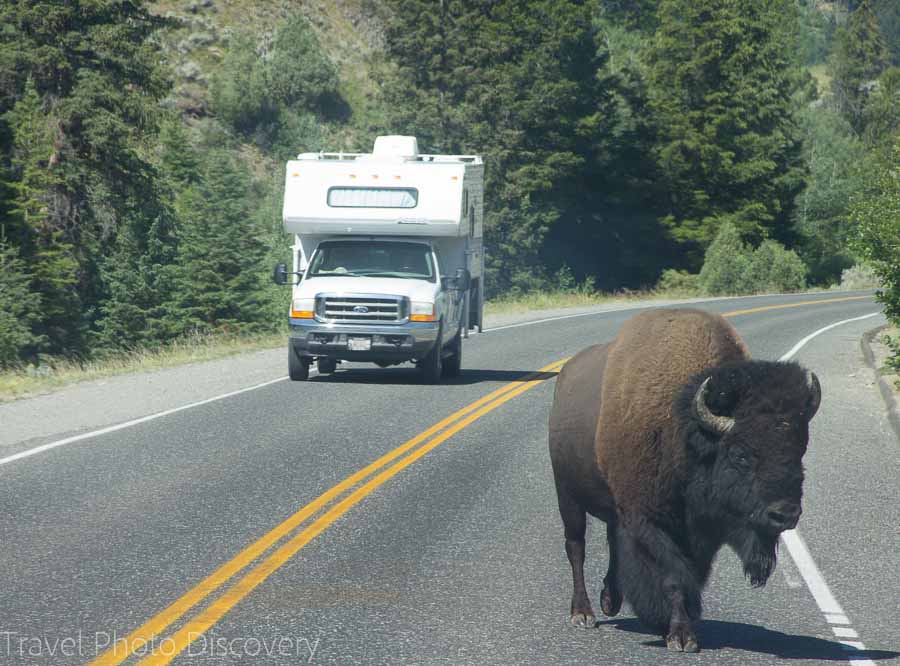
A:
{"x":652,"y":358}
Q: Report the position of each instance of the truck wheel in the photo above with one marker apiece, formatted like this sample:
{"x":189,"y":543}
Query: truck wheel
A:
{"x":298,"y":368}
{"x":432,"y":364}
{"x":453,"y":362}
{"x":326,"y":366}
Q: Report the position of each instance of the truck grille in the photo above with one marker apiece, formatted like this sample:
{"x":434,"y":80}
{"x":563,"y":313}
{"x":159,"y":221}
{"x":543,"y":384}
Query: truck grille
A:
{"x":361,"y":309}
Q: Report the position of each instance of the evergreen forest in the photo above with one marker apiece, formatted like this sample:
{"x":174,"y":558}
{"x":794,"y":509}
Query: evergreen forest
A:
{"x":728,"y":145}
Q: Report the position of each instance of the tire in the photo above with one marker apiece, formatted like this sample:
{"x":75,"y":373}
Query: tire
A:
{"x":432,"y":364}
{"x":326,"y":365}
{"x":298,"y":368}
{"x":453,"y":363}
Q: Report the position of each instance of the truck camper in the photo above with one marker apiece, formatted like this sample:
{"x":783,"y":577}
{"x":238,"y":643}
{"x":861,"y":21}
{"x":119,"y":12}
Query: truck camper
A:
{"x":388,"y":264}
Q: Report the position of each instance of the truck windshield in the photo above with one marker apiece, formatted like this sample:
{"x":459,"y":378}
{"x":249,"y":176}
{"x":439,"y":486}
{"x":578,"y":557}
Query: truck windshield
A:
{"x":373,"y":259}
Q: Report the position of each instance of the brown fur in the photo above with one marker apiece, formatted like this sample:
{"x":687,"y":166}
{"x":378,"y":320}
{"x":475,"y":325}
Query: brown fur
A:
{"x":636,"y":400}
{"x":630,"y":445}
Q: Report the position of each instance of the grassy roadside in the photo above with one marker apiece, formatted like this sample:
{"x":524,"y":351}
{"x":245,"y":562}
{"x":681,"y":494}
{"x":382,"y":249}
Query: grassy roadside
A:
{"x":556,"y":300}
{"x":55,"y":374}
{"x":886,"y":362}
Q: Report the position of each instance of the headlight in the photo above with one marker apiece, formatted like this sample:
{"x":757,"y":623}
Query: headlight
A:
{"x":303,"y":308}
{"x":421,"y":311}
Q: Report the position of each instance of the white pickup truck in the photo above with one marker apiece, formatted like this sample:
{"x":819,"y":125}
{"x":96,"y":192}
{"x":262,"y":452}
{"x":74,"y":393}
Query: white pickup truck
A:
{"x":388,"y":258}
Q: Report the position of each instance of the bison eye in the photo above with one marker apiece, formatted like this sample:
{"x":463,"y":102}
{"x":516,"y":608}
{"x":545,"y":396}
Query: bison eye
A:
{"x":740,"y":458}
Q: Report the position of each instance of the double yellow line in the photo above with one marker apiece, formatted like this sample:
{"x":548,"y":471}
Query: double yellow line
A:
{"x":386,"y":467}
{"x":143,"y":640}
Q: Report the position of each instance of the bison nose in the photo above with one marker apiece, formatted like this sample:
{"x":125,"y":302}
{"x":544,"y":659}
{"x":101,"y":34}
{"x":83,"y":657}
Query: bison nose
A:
{"x":784,"y":515}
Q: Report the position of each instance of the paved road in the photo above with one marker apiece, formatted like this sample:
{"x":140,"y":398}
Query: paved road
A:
{"x":454,"y":557}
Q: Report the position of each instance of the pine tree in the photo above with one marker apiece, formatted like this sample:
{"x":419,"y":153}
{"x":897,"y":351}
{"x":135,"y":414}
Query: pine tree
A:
{"x":20,"y":308}
{"x":219,"y":270}
{"x":514,"y":81}
{"x":859,"y":55}
{"x":80,"y":85}
{"x":39,"y":218}
{"x":722,"y":89}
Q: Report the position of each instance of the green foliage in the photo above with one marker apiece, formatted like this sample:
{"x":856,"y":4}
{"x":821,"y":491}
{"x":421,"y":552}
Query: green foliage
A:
{"x":726,"y":263}
{"x":620,"y":136}
{"x":876,"y":212}
{"x":19,"y":309}
{"x":239,"y":90}
{"x":299,"y":72}
{"x":832,"y":153}
{"x":679,"y":282}
{"x":218,"y":270}
{"x":816,"y":30}
{"x":774,"y":269}
{"x":859,"y":56}
{"x":722,"y":91}
{"x":516,"y":82}
{"x":731,"y":267}
{"x":881,"y":115}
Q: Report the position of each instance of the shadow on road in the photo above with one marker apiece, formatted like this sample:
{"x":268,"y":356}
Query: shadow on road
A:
{"x":412,"y":377}
{"x":718,"y":635}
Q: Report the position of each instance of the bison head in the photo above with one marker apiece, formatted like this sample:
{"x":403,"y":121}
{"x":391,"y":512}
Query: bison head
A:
{"x":749,"y":432}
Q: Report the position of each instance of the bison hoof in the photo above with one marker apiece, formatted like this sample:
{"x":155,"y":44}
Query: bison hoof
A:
{"x":610,"y":602}
{"x":682,"y":640}
{"x":583,"y":620}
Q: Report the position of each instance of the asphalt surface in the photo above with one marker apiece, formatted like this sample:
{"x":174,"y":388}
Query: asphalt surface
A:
{"x":458,"y":559}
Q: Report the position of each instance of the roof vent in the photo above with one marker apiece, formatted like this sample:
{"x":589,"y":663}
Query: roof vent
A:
{"x":396,"y":146}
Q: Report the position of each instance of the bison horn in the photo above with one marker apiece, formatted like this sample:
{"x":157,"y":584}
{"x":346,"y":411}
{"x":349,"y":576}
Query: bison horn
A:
{"x":715,"y":424}
{"x":815,"y":394}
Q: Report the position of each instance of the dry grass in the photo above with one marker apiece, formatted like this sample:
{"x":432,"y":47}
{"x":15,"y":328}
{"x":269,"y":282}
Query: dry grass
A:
{"x":556,"y":300}
{"x":55,"y":374}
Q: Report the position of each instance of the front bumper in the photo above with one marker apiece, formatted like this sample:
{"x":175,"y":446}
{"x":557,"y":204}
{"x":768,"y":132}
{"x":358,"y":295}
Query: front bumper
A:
{"x":402,"y":342}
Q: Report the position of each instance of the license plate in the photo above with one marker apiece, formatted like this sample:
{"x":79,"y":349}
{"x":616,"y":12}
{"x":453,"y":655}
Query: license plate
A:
{"x":359,"y":344}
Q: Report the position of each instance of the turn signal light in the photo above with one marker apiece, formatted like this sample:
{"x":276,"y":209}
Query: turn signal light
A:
{"x":421,"y":317}
{"x":303,"y":308}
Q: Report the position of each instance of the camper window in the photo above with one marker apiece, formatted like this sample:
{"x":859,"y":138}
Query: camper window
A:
{"x":373,"y":197}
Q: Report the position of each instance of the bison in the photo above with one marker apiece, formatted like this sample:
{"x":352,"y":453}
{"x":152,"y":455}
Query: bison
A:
{"x":681,"y":444}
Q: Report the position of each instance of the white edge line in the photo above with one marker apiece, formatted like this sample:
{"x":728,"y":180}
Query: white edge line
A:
{"x":798,"y":551}
{"x":797,"y":347}
{"x":127,"y":424}
{"x":151,"y":417}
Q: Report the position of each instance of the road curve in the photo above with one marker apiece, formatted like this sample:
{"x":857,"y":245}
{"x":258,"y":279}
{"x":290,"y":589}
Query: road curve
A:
{"x":244,"y":529}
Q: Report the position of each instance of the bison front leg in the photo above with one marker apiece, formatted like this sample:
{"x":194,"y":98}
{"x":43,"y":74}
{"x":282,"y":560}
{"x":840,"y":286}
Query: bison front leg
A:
{"x":575,"y":524}
{"x":611,"y":596}
{"x":659,"y":582}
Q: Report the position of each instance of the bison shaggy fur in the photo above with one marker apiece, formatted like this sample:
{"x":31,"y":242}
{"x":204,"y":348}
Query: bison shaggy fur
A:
{"x":681,"y":444}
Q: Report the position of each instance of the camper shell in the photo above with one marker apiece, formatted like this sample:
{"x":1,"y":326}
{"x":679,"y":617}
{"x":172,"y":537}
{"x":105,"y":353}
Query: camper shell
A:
{"x":372,"y":210}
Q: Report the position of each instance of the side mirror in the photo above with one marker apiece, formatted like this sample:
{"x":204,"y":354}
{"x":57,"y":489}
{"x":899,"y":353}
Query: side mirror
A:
{"x":279,"y":275}
{"x":463,"y":279}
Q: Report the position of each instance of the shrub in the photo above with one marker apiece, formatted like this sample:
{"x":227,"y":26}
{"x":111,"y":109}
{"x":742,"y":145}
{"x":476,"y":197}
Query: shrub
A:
{"x":773,"y":268}
{"x":876,"y":213}
{"x":732,"y":268}
{"x":680,"y":282}
{"x":726,"y":264}
{"x":860,"y":276}
{"x":239,"y":91}
{"x":299,"y":71}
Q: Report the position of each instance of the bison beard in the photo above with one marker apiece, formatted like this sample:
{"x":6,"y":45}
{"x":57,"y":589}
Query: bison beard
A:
{"x":758,"y":553}
{"x":681,"y":444}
